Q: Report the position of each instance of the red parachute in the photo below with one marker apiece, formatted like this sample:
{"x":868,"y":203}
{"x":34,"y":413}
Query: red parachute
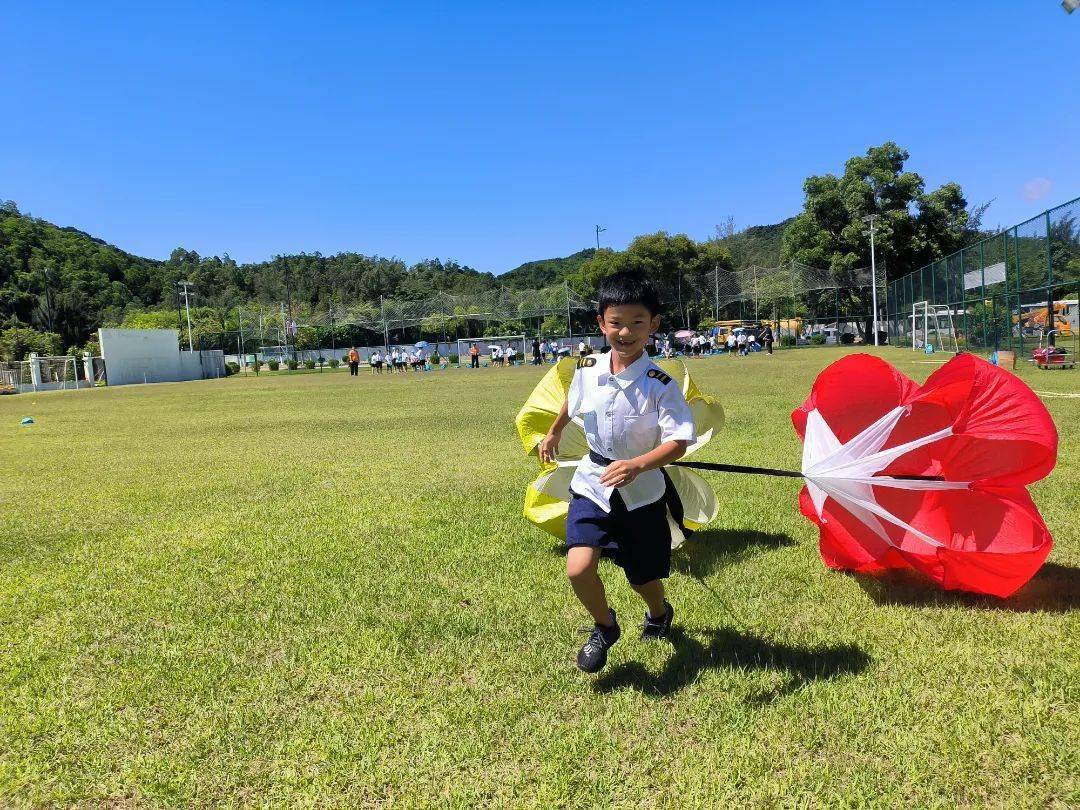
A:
{"x":929,"y":477}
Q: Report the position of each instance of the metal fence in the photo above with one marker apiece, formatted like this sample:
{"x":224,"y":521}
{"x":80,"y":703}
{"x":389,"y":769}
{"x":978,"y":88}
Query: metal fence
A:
{"x":1008,"y":291}
{"x":799,"y":301}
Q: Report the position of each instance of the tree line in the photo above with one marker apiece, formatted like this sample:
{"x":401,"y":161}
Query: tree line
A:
{"x":58,"y":285}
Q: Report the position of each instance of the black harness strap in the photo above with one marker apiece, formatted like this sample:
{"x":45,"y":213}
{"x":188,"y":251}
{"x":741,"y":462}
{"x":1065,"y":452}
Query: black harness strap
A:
{"x":596,"y":458}
{"x":737,"y":468}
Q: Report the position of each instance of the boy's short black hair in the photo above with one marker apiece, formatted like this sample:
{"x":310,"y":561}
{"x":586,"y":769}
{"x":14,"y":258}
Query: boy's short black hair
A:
{"x":625,"y":288}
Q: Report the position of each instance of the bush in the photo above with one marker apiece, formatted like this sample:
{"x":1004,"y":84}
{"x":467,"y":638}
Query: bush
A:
{"x":817,"y":340}
{"x":232,"y":368}
{"x":253,"y":366}
{"x":344,"y":358}
{"x":308,"y":364}
{"x":335,"y":363}
{"x":273,"y":365}
{"x":292,"y":364}
{"x":787,"y":340}
{"x":453,"y":359}
{"x":17,"y":342}
{"x":847,"y":338}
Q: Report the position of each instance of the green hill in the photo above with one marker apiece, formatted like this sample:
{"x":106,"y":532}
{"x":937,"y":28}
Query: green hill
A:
{"x":67,"y":279}
{"x":544,"y":272}
{"x":63,"y":280}
{"x":758,"y":244}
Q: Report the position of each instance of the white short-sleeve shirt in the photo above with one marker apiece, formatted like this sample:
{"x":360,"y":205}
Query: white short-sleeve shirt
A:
{"x":625,"y":415}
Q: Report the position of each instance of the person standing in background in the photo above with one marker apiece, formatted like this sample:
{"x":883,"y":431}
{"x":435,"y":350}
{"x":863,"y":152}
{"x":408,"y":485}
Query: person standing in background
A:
{"x":354,"y":362}
{"x":474,"y":356}
{"x":537,"y":351}
{"x":767,"y":337}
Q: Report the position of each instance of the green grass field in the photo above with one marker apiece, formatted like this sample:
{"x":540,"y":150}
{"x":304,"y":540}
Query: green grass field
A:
{"x":315,"y":589}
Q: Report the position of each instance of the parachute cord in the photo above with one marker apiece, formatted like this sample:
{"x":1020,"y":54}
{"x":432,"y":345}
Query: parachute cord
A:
{"x":738,"y":621}
{"x":738,"y":468}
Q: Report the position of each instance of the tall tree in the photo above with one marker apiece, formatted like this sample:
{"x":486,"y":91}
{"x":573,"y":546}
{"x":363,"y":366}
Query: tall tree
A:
{"x":913,"y":227}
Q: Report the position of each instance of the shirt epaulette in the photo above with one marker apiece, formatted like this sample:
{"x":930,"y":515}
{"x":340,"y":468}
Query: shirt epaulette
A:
{"x":658,"y":375}
{"x":586,"y":362}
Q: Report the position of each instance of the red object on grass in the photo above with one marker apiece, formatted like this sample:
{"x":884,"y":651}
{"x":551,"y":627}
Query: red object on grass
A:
{"x":973,"y":435}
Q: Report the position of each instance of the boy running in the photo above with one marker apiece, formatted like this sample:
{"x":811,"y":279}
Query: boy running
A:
{"x":636,"y":421}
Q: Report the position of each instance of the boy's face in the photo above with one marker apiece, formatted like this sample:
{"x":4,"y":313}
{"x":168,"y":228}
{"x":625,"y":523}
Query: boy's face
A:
{"x":627,"y":328}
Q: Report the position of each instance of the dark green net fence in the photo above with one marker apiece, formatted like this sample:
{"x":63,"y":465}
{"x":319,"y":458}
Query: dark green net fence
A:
{"x":1009,"y":291}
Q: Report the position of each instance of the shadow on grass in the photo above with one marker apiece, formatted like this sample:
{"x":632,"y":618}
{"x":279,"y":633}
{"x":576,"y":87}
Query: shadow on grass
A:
{"x":708,"y":551}
{"x":1055,"y":588}
{"x":725,"y":648}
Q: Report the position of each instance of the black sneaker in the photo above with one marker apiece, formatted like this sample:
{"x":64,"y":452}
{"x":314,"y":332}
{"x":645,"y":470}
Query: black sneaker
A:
{"x":658,"y":628}
{"x":593,"y":656}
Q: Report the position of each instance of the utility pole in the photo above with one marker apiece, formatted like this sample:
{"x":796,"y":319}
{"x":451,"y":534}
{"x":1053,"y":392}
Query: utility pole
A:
{"x":185,"y":291}
{"x":385,"y":328}
{"x":48,"y":300}
{"x":333,"y":338}
{"x":284,"y":329}
{"x":716,"y":287}
{"x":686,"y":323}
{"x":599,"y":231}
{"x":872,"y":218}
{"x":569,"y":326}
{"x":288,"y":296}
{"x":240,"y":338}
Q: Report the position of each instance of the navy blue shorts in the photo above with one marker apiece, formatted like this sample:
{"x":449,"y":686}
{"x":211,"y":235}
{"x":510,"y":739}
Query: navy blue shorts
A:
{"x":638,"y":541}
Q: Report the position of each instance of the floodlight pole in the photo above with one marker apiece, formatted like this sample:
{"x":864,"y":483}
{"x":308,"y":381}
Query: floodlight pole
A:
{"x":186,"y":292}
{"x":240,"y":338}
{"x":872,"y":218}
{"x":569,"y":326}
{"x":333,"y":339}
{"x":716,"y":287}
{"x":48,"y":300}
{"x":385,"y":329}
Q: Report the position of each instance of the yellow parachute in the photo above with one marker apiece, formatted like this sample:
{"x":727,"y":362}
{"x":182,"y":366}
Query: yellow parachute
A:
{"x":548,"y":497}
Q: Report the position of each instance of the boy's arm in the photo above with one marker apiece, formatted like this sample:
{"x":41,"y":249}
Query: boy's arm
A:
{"x":621,"y":473}
{"x":550,"y":445}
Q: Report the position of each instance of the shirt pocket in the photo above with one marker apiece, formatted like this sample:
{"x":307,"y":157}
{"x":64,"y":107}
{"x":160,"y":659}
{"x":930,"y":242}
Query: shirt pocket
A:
{"x":640,"y":433}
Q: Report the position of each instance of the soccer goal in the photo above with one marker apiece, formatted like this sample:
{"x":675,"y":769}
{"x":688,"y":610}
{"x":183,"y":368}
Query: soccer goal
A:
{"x":486,"y":347}
{"x":46,"y":374}
{"x":932,"y":328}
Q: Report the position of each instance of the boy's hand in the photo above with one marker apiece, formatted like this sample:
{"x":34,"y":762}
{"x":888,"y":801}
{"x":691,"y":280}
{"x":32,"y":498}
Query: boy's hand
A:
{"x":620,"y":473}
{"x":549,"y":447}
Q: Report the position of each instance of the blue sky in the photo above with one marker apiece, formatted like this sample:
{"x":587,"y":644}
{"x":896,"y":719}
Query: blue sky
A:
{"x":495,"y":135}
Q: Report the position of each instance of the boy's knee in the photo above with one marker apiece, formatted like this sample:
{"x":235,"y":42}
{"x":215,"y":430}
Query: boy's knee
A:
{"x":581,"y":564}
